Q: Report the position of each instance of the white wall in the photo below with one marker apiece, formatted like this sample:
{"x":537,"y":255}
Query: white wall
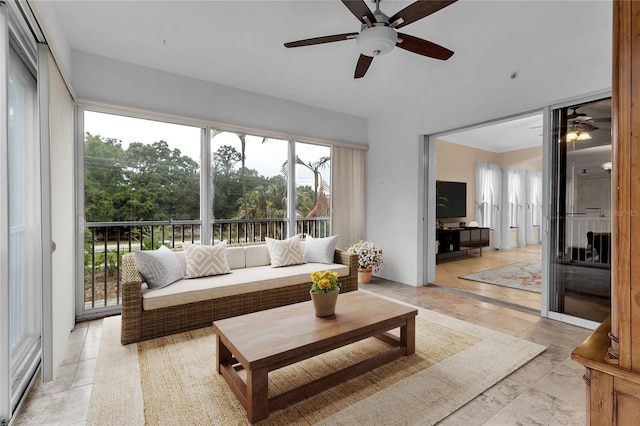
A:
{"x":394,"y":171}
{"x":100,"y":79}
{"x":392,"y":204}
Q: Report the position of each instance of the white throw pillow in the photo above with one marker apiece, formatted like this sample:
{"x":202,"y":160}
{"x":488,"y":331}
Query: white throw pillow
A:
{"x":285,"y":252}
{"x":205,"y":261}
{"x":158,"y":268}
{"x":320,"y":250}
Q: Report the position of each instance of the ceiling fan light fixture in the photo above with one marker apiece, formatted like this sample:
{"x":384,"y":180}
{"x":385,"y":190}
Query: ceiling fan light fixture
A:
{"x":572,"y":135}
{"x":377,"y":40}
{"x":583,"y":136}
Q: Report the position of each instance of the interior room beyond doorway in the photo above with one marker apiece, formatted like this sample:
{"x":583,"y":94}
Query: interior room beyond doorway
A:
{"x":501,"y":166}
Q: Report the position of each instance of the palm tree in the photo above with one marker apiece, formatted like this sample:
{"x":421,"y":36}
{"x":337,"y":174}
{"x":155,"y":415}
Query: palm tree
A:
{"x":315,"y":168}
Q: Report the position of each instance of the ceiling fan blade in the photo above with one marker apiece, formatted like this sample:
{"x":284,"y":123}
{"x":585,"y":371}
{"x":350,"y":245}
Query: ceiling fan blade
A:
{"x":423,"y":47}
{"x":419,"y":10}
{"x":320,"y":40}
{"x":359,"y":8}
{"x":362,"y":66}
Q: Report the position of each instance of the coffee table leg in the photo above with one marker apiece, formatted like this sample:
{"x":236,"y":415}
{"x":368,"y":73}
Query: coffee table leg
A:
{"x":408,"y":336}
{"x":223,"y":355}
{"x":257,"y":394}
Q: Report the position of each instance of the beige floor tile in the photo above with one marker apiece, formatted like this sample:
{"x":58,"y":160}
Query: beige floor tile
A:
{"x":534,"y":407}
{"x":547,"y":390}
{"x":565,"y":382}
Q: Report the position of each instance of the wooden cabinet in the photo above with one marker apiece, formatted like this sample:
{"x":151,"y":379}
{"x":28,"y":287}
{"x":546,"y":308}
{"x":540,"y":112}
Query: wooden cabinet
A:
{"x":462,"y":239}
{"x":611,"y":355}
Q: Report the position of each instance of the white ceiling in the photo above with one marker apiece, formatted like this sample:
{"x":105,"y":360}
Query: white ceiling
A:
{"x":240,"y":44}
{"x":503,"y":136}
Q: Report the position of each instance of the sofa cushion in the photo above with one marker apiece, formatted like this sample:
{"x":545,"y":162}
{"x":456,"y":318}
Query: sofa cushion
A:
{"x":257,"y":255}
{"x":158,"y":268}
{"x":182,"y":260}
{"x":236,"y":257}
{"x":205,"y":261}
{"x":285,"y":252}
{"x":320,"y":250}
{"x":239,"y":281}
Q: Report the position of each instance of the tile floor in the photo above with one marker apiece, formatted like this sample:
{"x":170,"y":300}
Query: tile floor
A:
{"x":547,"y":391}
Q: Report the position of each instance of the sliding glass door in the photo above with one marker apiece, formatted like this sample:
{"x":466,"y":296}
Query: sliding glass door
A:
{"x":20,"y":219}
{"x":580,"y":211}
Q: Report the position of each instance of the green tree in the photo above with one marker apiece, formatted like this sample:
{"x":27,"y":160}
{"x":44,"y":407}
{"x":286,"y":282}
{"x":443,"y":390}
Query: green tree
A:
{"x":227,"y":185}
{"x":104,"y":177}
{"x":143,"y":182}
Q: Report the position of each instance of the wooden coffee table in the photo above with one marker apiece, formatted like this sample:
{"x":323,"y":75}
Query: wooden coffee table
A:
{"x":267,"y":340}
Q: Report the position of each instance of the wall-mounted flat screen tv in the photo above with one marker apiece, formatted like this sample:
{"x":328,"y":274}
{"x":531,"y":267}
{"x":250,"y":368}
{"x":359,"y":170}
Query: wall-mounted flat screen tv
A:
{"x":451,"y":199}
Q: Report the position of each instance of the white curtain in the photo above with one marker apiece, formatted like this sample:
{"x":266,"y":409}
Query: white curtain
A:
{"x":347,"y":186}
{"x":534,"y":204}
{"x":505,"y":226}
{"x":488,"y":195}
{"x":483,"y":193}
{"x":495,"y":180}
{"x":521,"y":200}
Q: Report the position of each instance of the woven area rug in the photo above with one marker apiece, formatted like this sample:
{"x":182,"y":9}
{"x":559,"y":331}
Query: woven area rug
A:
{"x":526,"y":275}
{"x":172,"y":380}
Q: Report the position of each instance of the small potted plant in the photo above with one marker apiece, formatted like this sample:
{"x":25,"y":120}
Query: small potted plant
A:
{"x":369,"y":258}
{"x":324,"y":292}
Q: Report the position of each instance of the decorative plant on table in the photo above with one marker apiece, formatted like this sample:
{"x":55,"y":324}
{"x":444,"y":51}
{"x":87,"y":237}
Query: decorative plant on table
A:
{"x":324,"y":282}
{"x":369,"y":258}
{"x":324,"y":292}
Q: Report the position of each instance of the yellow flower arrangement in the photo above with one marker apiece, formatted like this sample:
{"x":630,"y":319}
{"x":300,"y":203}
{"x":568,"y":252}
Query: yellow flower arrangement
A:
{"x":324,"y":282}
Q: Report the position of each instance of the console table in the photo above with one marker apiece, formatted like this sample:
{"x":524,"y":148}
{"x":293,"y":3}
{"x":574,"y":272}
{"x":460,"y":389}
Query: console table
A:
{"x":462,"y":239}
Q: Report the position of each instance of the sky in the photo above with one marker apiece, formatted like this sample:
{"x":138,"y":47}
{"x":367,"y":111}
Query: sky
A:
{"x":267,"y":158}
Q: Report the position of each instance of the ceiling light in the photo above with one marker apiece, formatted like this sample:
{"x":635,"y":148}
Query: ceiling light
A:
{"x":583,"y":136}
{"x":574,"y":135}
{"x":377,"y":40}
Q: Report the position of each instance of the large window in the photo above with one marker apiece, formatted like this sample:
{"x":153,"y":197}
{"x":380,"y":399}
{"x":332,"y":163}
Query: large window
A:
{"x":313,"y":189}
{"x":141,"y":190}
{"x":145,"y":185}
{"x":250,"y":187}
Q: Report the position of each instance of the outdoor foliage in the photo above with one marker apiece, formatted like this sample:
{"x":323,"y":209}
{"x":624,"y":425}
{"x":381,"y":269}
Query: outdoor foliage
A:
{"x":153,"y":182}
{"x":143,"y":182}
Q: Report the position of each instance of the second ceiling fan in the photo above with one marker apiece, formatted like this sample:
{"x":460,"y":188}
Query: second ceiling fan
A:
{"x":378,"y":34}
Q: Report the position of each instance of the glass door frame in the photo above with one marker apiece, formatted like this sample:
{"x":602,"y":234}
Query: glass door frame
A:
{"x":549,"y":179}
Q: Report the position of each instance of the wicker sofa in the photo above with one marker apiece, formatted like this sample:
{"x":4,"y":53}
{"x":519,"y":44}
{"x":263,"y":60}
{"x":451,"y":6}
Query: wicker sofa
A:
{"x":252,"y":285}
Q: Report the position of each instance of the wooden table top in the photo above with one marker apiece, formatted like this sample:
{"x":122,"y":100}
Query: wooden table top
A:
{"x":262,"y":337}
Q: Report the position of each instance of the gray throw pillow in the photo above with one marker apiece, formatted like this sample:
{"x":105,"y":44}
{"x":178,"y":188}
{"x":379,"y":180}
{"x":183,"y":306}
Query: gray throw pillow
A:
{"x":320,"y":250}
{"x":159,"y":268}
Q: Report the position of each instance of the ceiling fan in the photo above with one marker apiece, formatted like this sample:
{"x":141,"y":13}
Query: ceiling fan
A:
{"x":582,"y":118}
{"x":378,"y":33}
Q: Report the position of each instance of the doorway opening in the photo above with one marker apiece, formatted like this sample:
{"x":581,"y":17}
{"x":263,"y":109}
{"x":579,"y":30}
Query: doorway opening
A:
{"x":500,"y":164}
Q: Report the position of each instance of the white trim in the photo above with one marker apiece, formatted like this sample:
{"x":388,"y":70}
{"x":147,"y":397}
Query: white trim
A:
{"x":5,"y":346}
{"x":48,"y":369}
{"x":233,"y":128}
{"x":206,"y":187}
{"x":547,"y":172}
{"x":78,"y":161}
{"x":579,"y":322}
{"x":291,"y":189}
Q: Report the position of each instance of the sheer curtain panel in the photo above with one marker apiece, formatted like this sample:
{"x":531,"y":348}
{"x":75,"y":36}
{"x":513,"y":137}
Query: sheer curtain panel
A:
{"x":348,"y":194}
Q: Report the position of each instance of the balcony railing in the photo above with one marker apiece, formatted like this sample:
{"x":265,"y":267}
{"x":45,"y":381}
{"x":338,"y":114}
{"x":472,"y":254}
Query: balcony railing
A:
{"x":106,"y":243}
{"x":588,"y":239}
